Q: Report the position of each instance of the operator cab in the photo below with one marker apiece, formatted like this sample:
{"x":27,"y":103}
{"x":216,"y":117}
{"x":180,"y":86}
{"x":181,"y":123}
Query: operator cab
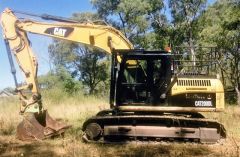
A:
{"x":141,"y":78}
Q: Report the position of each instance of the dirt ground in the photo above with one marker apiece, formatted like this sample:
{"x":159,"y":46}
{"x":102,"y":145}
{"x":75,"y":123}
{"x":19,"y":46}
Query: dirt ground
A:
{"x":69,"y":146}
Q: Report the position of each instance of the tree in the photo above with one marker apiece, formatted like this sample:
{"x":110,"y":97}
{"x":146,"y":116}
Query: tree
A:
{"x":229,"y":42}
{"x":220,"y":27}
{"x":185,"y":14}
{"x":133,"y":18}
{"x":60,"y":79}
{"x":91,"y":68}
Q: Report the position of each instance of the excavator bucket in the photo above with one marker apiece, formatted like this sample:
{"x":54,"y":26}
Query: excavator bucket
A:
{"x":38,"y":126}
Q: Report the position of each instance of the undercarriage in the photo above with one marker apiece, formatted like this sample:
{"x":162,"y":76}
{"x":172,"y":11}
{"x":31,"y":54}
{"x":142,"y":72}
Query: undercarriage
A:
{"x":114,"y":126}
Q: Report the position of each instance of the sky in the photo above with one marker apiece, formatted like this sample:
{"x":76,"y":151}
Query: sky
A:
{"x":64,"y":8}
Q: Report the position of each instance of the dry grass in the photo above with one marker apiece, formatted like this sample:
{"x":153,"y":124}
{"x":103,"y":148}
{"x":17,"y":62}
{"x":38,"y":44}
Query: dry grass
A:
{"x":76,"y":109}
{"x":9,"y":116}
{"x":230,"y":118}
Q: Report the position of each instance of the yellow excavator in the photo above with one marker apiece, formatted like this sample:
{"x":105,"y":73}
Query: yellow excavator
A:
{"x":150,"y":98}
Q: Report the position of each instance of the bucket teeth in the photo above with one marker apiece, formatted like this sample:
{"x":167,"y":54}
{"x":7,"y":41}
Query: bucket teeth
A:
{"x":38,"y":126}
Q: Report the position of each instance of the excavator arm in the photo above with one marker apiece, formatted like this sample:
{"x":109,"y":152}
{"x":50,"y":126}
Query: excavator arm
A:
{"x":17,"y":43}
{"x":104,"y":37}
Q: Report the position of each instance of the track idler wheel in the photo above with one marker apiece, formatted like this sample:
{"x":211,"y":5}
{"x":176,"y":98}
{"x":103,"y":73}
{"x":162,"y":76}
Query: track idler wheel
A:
{"x":38,"y":126}
{"x":93,"y":132}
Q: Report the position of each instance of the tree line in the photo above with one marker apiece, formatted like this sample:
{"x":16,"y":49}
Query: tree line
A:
{"x":152,"y":25}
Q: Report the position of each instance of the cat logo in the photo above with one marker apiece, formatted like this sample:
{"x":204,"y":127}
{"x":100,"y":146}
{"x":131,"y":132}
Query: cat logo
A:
{"x":59,"y":31}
